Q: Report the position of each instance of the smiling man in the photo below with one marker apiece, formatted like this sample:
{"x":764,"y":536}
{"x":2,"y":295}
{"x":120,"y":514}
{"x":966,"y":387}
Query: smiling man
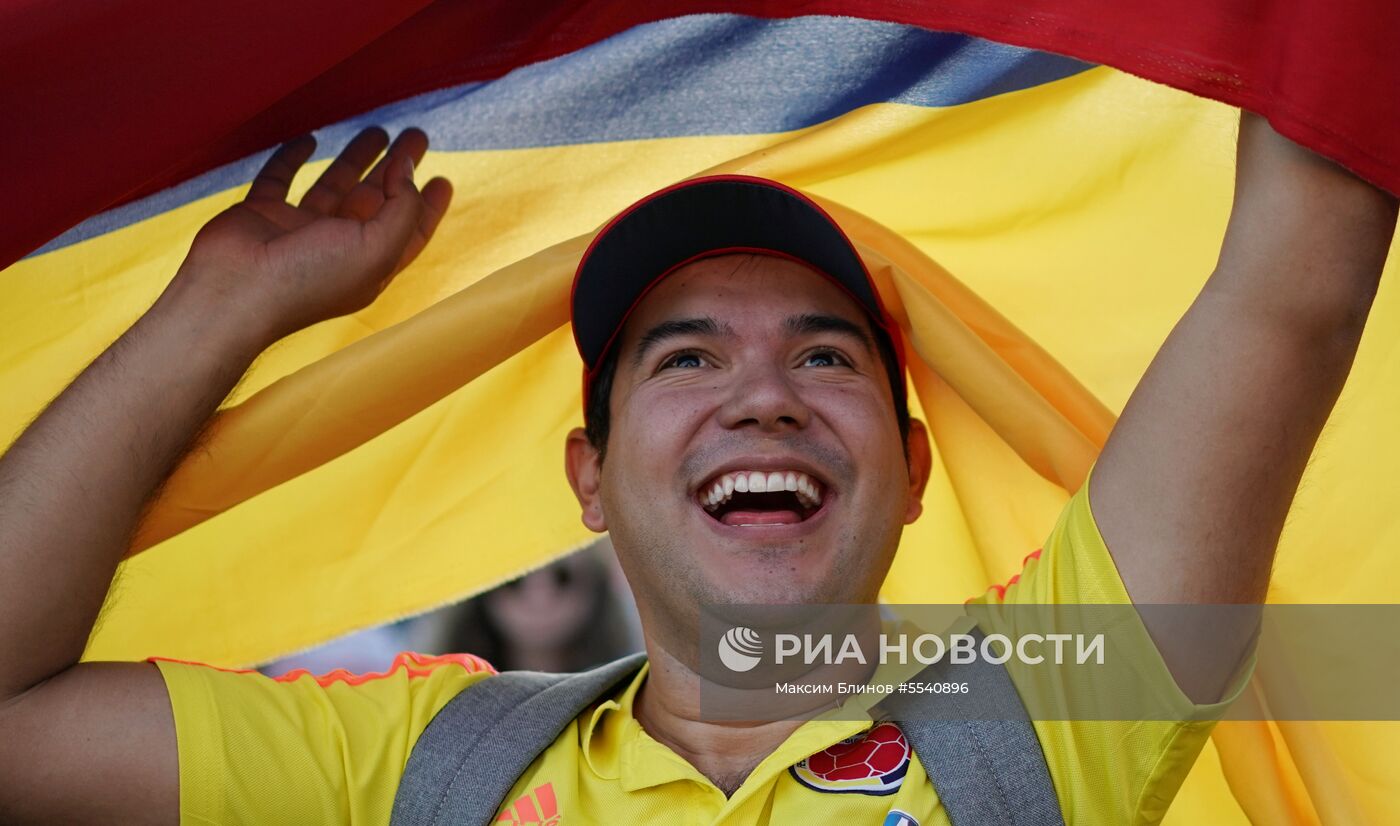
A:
{"x":735,"y":312}
{"x":781,"y":436}
{"x":746,"y":440}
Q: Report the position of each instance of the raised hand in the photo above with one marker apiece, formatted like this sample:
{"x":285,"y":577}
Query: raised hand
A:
{"x":281,"y":268}
{"x":77,"y":480}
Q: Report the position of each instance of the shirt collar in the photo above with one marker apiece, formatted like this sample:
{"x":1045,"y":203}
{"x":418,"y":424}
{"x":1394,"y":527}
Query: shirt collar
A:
{"x":615,"y":746}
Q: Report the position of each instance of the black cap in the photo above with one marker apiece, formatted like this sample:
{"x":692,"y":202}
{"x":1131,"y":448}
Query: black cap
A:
{"x":700,"y":218}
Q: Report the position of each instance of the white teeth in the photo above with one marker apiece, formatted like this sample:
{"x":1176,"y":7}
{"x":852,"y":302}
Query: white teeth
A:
{"x":808,"y":491}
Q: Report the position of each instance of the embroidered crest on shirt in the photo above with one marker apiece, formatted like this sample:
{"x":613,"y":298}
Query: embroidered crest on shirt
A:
{"x":538,"y":807}
{"x":874,"y":762}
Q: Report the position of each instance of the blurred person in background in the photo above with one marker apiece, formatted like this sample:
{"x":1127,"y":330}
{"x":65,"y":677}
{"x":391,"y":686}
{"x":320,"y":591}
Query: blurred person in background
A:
{"x":567,"y":616}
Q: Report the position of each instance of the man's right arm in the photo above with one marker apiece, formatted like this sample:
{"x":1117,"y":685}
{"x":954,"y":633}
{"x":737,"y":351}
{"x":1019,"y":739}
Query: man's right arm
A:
{"x":96,"y":742}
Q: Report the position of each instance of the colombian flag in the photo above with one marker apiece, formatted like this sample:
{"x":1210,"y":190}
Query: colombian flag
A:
{"x":1040,"y":188}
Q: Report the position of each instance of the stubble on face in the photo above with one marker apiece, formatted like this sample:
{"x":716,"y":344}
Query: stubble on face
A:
{"x":669,"y":432}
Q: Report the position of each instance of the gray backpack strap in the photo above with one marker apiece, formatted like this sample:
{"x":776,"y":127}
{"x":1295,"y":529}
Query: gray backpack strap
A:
{"x":480,"y":743}
{"x":979,"y":749}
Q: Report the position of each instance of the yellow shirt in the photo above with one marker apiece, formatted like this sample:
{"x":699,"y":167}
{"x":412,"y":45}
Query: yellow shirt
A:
{"x":331,"y":749}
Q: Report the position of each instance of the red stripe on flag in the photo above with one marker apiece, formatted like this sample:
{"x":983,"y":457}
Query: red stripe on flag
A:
{"x":113,"y":101}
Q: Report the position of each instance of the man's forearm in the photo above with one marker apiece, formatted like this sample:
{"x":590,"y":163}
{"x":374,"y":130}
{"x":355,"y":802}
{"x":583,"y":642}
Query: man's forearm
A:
{"x":1194,"y":484}
{"x":1307,"y":240}
{"x":74,"y":485}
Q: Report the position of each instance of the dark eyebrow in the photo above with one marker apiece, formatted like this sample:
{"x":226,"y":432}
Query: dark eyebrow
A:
{"x":817,"y":323}
{"x":703,"y":326}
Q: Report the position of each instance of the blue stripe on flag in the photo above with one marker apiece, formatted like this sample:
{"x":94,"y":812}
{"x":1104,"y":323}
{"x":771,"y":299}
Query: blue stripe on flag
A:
{"x":709,"y":74}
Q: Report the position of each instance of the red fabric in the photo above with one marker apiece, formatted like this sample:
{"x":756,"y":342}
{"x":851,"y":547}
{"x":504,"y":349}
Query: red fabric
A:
{"x":106,"y":102}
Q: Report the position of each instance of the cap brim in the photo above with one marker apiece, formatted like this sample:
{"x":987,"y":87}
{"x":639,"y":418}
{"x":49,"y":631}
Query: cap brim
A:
{"x":697,"y":219}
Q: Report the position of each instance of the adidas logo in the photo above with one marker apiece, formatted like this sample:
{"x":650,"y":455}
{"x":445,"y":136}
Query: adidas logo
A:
{"x":538,"y":807}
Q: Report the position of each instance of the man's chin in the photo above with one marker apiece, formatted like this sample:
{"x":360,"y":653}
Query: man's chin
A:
{"x":794,"y":574}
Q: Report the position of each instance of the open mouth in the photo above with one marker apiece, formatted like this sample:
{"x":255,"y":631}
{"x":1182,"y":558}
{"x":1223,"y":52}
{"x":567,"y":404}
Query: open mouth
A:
{"x":752,"y":498}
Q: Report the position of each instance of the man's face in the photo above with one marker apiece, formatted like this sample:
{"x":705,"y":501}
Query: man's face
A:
{"x":736,"y":373}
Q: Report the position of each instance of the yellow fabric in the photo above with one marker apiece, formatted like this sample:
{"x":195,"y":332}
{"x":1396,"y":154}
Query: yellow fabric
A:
{"x":1087,"y":211}
{"x":1105,"y":771}
{"x":300,"y":749}
{"x":257,"y":750}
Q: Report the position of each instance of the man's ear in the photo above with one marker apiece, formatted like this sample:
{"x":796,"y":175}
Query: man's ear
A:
{"x":584,"y":467}
{"x":920,"y":464}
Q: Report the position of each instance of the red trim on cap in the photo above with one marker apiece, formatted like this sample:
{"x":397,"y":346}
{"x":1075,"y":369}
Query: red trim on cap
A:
{"x":883,"y":318}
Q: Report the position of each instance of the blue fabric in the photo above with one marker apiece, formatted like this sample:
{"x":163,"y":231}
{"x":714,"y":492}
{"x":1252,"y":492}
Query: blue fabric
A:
{"x":706,"y":74}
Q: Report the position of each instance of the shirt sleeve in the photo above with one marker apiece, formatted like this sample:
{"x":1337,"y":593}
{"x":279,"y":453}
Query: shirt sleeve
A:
{"x":302,"y":748}
{"x":1106,"y":771}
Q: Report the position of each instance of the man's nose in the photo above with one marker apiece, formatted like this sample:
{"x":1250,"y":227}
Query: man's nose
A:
{"x":764,"y":397}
